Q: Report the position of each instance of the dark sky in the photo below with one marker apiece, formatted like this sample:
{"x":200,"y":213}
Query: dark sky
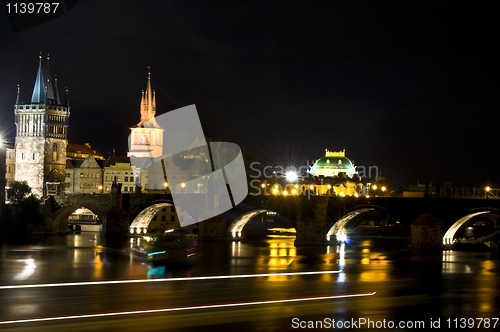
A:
{"x":411,"y":88}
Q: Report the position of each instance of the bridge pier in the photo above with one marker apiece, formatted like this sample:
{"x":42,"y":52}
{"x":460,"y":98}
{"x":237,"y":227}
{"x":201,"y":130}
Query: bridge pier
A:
{"x":426,"y":233}
{"x":213,"y":229}
{"x":313,"y":231}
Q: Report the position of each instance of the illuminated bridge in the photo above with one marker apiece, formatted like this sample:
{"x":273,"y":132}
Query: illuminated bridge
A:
{"x":316,"y":219}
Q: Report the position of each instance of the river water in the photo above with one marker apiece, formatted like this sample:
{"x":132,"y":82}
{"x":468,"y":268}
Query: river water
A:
{"x":448,"y":285}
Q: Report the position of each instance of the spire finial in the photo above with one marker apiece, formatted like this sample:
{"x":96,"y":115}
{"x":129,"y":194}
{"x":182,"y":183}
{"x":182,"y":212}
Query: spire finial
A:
{"x":149,"y":72}
{"x":48,"y":58}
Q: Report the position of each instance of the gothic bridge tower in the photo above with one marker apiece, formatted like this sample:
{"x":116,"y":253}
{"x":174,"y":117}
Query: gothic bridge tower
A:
{"x":42,"y":136}
{"x":146,"y":138}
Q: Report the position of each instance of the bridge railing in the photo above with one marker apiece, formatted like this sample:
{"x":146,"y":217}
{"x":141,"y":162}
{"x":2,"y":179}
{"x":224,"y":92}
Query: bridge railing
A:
{"x":469,"y":193}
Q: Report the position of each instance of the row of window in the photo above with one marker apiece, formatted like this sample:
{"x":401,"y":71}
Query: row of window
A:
{"x":119,"y":178}
{"x":127,"y":189}
{"x":85,"y":175}
{"x":131,"y":173}
{"x":35,"y":156}
{"x":164,"y":218}
{"x":84,"y":185}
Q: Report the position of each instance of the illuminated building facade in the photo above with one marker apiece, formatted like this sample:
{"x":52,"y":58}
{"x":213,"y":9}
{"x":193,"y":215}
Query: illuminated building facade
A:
{"x":41,"y":136}
{"x":332,"y":164}
{"x":120,"y":170}
{"x":335,"y":164}
{"x":83,"y":176}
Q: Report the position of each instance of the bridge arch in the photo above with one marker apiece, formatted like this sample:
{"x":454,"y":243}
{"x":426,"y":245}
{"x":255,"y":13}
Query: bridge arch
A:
{"x":450,"y":233}
{"x":338,"y":227}
{"x":60,"y":217}
{"x":236,"y":227}
{"x":142,"y":221}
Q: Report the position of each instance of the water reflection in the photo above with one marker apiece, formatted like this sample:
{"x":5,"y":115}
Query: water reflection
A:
{"x":28,"y":270}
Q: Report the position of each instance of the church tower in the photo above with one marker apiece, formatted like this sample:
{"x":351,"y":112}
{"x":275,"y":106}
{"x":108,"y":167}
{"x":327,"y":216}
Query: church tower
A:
{"x":146,"y":138}
{"x":42,"y":136}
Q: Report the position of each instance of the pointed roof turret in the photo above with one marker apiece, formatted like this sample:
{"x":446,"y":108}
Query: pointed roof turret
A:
{"x":17,"y":99}
{"x":38,"y":95}
{"x":56,"y":92}
{"x":143,"y":102}
{"x":67,"y":97}
{"x":149,"y":95}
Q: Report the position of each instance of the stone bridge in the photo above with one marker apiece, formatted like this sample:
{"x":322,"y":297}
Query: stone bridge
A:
{"x":315,"y":218}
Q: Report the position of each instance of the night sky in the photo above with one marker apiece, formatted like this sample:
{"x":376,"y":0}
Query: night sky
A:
{"x":411,"y":88}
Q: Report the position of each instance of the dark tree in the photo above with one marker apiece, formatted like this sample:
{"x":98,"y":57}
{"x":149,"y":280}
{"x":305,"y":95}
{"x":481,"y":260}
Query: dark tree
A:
{"x":18,"y":192}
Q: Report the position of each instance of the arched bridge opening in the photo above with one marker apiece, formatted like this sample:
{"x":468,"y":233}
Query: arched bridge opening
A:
{"x":264,"y":221}
{"x":371,"y":219}
{"x":79,"y":217}
{"x":158,"y":217}
{"x":472,"y":218}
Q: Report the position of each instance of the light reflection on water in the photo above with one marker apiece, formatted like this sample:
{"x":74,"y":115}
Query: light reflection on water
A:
{"x":86,"y":256}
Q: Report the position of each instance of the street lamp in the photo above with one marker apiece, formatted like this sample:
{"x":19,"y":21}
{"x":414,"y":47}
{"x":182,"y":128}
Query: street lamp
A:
{"x":165,"y":184}
{"x":487,"y":189}
{"x":100,"y":188}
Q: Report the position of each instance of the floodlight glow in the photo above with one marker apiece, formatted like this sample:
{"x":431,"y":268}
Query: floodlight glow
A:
{"x":343,"y":237}
{"x":291,"y":176}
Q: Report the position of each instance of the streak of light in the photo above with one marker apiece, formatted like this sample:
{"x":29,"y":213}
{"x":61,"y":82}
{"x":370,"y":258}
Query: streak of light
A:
{"x":28,"y":269}
{"x":86,"y":283}
{"x":206,"y":306}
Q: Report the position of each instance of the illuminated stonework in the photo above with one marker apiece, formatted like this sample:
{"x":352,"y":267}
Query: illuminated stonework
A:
{"x":147,"y":136}
{"x":41,"y":136}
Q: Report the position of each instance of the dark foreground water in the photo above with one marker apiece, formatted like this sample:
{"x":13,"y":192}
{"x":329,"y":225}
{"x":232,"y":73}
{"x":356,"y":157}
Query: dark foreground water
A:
{"x":399,"y":289}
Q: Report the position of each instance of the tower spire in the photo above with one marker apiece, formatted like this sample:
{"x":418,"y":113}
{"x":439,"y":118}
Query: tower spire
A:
{"x":149,"y":95}
{"x":39,"y":94}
